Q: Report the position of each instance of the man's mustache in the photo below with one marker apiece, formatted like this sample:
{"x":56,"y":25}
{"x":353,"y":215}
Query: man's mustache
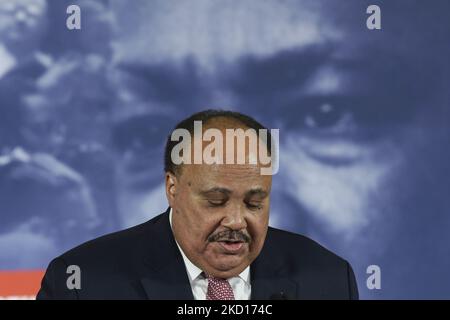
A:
{"x":229,"y":235}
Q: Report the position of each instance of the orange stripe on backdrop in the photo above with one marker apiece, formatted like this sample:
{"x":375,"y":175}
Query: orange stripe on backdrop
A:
{"x":20,"y":283}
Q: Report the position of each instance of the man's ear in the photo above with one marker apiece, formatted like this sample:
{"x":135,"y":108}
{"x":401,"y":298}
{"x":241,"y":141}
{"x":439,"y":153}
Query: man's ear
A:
{"x":171,"y":187}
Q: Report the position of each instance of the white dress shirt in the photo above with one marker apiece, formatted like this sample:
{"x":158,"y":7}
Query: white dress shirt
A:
{"x":199,"y":284}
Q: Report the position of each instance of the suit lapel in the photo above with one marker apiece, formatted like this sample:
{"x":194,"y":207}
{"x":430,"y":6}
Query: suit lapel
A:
{"x":273,"y":289}
{"x":269,"y":280}
{"x":159,"y":289}
{"x":166,"y":276}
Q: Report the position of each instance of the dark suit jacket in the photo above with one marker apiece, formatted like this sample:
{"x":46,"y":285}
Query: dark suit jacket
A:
{"x":144,"y":262}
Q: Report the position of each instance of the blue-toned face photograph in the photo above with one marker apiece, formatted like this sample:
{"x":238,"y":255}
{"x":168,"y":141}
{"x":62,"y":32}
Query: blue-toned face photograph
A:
{"x":91,"y":91}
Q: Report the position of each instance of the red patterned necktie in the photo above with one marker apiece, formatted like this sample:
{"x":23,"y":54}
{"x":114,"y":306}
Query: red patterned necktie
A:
{"x":219,"y":289}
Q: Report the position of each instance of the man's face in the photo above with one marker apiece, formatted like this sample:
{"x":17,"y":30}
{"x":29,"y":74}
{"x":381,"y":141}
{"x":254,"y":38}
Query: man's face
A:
{"x":220,"y":214}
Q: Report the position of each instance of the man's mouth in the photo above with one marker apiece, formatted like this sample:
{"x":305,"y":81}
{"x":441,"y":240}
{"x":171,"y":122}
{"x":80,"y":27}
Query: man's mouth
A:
{"x":231,"y":246}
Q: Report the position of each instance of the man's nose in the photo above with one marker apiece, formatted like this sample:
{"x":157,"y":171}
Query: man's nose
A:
{"x":235,"y":218}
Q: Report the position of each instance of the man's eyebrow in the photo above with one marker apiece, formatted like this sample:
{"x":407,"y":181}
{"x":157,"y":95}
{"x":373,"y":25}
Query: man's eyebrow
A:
{"x":257,"y":191}
{"x":283,"y":70}
{"x":163,"y":79}
{"x":215,"y":190}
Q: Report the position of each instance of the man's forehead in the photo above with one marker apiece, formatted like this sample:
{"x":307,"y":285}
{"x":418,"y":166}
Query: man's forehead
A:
{"x":225,"y":170}
{"x":213,"y":32}
{"x":234,"y":178}
{"x":239,"y":174}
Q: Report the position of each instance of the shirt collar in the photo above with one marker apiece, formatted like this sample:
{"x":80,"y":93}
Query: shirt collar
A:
{"x":194,"y":272}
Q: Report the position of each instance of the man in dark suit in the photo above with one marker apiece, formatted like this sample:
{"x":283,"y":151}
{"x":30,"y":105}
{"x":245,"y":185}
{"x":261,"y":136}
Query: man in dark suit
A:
{"x":212,"y":243}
